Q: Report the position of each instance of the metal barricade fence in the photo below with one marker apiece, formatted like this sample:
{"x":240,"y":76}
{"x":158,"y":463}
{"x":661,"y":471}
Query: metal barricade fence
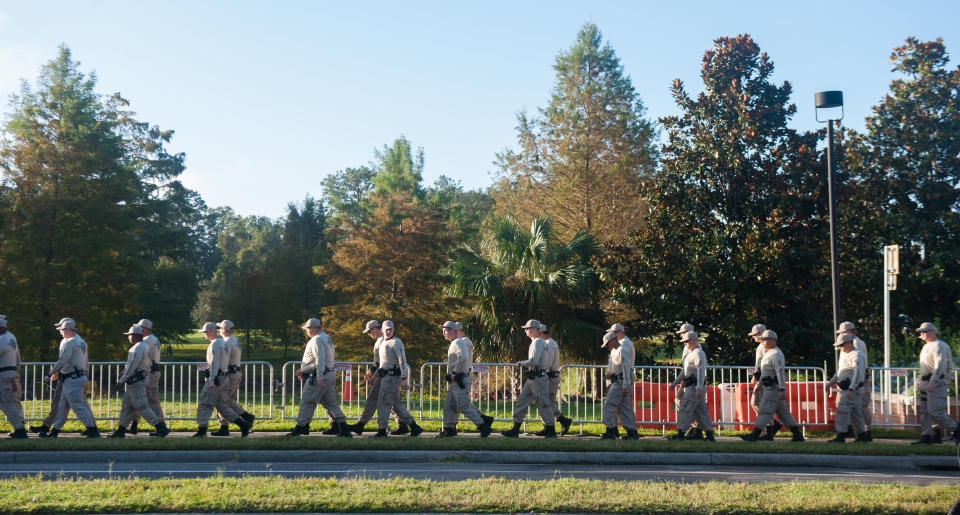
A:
{"x":351,"y":386}
{"x":179,"y":389}
{"x":494,"y":390}
{"x":895,"y":401}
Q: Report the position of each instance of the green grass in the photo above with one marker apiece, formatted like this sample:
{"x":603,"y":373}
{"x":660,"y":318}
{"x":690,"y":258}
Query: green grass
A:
{"x":226,"y":494}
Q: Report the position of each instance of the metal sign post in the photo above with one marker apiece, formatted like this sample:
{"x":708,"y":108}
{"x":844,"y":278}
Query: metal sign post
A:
{"x":891,"y":268}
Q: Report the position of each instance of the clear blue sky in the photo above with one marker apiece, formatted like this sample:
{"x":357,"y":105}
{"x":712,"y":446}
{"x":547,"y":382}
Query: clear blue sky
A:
{"x":266,"y":100}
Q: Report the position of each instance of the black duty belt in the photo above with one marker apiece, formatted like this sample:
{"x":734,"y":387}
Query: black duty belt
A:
{"x":383,"y":372}
{"x":7,"y":369}
{"x":533,"y":373}
{"x":769,"y":381}
{"x":553,"y":374}
{"x":137,"y":376}
{"x":154,"y":367}
{"x":75,"y":373}
{"x":926,"y":377}
{"x":689,"y":381}
{"x":206,"y":373}
{"x":615,"y":377}
{"x":233,"y":369}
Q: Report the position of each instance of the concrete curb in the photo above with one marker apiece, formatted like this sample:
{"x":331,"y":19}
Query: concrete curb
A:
{"x":525,"y":457}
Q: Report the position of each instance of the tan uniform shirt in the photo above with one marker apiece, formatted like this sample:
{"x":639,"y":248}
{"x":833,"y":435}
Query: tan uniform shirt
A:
{"x":9,"y":351}
{"x":234,"y":346}
{"x":553,"y":355}
{"x":694,"y":364}
{"x":861,"y":347}
{"x":761,"y":351}
{"x":937,"y":360}
{"x":536,"y":357}
{"x":772,"y":366}
{"x":73,"y":356}
{"x":318,"y":354}
{"x":376,"y":352}
{"x":392,"y":355}
{"x":850,"y":366}
{"x":459,"y":357}
{"x":138,"y":358}
{"x":155,"y":350}
{"x":628,"y":356}
{"x":468,"y":346}
{"x":218,"y":357}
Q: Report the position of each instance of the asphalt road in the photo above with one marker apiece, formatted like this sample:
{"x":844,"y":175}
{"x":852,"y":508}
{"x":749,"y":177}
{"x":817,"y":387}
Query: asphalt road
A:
{"x":453,"y":471}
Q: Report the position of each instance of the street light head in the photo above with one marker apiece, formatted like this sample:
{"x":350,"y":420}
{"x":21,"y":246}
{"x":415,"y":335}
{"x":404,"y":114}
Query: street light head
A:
{"x":828,"y":100}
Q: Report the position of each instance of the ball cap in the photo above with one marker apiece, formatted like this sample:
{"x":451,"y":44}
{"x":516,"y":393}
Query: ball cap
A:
{"x":607,"y":338}
{"x":209,"y":326}
{"x":3,"y":320}
{"x":769,"y":335}
{"x":134,"y":329}
{"x":757,"y":330}
{"x":615,"y":328}
{"x":926,"y":326}
{"x":685,"y":328}
{"x":531,"y":324}
{"x":146,"y":324}
{"x":689,"y":335}
{"x":371,"y":324}
{"x":66,"y":323}
{"x":226,"y":324}
{"x":313,"y":322}
{"x":388,"y":324}
{"x":846,"y":326}
{"x":543,"y":327}
{"x":459,"y":327}
{"x":841,"y":339}
{"x":449,"y":324}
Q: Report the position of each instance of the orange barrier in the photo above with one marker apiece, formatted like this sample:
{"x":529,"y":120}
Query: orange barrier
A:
{"x":806,"y":400}
{"x":656,"y":401}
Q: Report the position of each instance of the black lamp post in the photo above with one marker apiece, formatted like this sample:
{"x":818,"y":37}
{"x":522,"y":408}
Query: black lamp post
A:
{"x":831,"y":100}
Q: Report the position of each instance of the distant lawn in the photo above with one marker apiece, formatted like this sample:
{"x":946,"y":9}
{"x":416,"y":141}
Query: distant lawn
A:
{"x":277,"y":494}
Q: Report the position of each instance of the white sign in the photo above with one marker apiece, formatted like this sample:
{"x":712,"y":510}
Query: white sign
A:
{"x":480,"y":369}
{"x":342,"y":366}
{"x":892,"y":258}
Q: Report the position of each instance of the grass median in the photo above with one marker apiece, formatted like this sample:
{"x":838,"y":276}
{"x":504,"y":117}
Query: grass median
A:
{"x":276,"y":494}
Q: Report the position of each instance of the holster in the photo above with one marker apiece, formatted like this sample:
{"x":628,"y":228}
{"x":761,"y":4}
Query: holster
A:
{"x":459,"y":378}
{"x":768,"y":381}
{"x":154,"y":367}
{"x":845,"y":384}
{"x":137,"y":376}
{"x":615,"y":378}
{"x":553,"y":374}
{"x":689,"y":381}
{"x":533,"y":373}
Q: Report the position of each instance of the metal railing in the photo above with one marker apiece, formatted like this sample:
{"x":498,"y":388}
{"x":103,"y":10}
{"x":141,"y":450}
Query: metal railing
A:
{"x":895,"y":400}
{"x":179,"y":389}
{"x":494,"y":390}
{"x":351,"y":386}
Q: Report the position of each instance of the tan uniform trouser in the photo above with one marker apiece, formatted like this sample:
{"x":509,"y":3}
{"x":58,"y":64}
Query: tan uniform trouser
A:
{"x":933,"y":410}
{"x":231,"y":396}
{"x":214,"y":398}
{"x":458,"y":401}
{"x":692,"y":409}
{"x":54,"y":404}
{"x":134,"y":402}
{"x":390,"y":399}
{"x":678,"y":399}
{"x":770,"y":405}
{"x":553,"y":391}
{"x":153,"y":396}
{"x":866,"y":402}
{"x":323,"y":392}
{"x":373,"y":398}
{"x":619,"y":406}
{"x":534,"y":390}
{"x":755,"y":398}
{"x":73,"y":398}
{"x":10,"y":398}
{"x":848,"y":412}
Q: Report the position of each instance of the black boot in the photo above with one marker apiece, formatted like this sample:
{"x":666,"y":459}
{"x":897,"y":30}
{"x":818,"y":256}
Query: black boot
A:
{"x":299,"y":430}
{"x":223,"y":431}
{"x":869,"y":436}
{"x":401,"y":429}
{"x":344,"y":431}
{"x":334,"y":429}
{"x":201,"y":432}
{"x":797,"y":434}
{"x":91,"y":432}
{"x":710,"y":437}
{"x":42,"y":428}
{"x":119,"y":432}
{"x":133,"y":427}
{"x":694,"y":434}
{"x":381,"y":433}
{"x":161,"y":430}
{"x":956,"y":435}
{"x":632,"y":434}
{"x":484,"y":429}
{"x":678,"y":436}
{"x":771,"y":431}
{"x":840,"y":438}
{"x":446,"y":433}
{"x":610,"y":434}
{"x":52,"y":434}
{"x":551,"y":432}
{"x":19,"y":433}
{"x":487,"y":419}
{"x":937,"y":436}
{"x":248,"y":417}
{"x":564,"y":424}
{"x":243,"y":425}
{"x":862,"y":438}
{"x":415,"y":430}
{"x":356,"y":428}
{"x":924,"y":440}
{"x":752,"y":437}
{"x":513,"y":432}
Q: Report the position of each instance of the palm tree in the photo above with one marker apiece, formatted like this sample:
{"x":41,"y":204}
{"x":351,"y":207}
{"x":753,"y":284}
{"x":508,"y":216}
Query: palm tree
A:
{"x":516,"y":275}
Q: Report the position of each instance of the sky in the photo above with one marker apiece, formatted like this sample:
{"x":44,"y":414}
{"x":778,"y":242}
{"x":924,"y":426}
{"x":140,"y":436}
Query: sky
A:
{"x":265,"y":100}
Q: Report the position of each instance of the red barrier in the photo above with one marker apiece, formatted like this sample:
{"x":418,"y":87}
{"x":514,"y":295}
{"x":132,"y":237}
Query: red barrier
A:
{"x":655,"y":401}
{"x":806,"y":399}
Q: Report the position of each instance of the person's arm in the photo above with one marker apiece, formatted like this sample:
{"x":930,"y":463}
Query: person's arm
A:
{"x":626,"y":362}
{"x":133,"y":358}
{"x":781,"y":381}
{"x":942,"y":373}
{"x":858,"y":373}
{"x":452,"y":357}
{"x":401,"y":359}
{"x":214,"y":364}
{"x":537,"y":354}
{"x":701,"y":370}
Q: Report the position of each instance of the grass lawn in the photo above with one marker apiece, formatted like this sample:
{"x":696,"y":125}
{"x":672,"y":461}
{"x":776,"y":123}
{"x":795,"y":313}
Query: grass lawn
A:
{"x":276,"y":494}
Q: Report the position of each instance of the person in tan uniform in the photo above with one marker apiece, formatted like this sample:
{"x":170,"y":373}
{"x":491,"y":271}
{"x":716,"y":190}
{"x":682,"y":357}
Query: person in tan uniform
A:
{"x":319,"y":381}
{"x":211,"y":395}
{"x":133,"y":381}
{"x":554,"y":380}
{"x":234,"y":375}
{"x":695,"y":432}
{"x":693,"y":381}
{"x":618,"y":407}
{"x":10,"y":381}
{"x":773,"y":399}
{"x":866,"y":391}
{"x":459,"y":379}
{"x":71,"y":368}
{"x":153,"y":381}
{"x":534,"y":386}
{"x":393,"y":377}
{"x":936,"y":374}
{"x":848,"y":379}
{"x":775,"y":426}
{"x":373,"y":330}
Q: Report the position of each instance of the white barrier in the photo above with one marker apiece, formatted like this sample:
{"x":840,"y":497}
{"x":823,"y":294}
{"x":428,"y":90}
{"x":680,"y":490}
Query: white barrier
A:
{"x":351,"y":386}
